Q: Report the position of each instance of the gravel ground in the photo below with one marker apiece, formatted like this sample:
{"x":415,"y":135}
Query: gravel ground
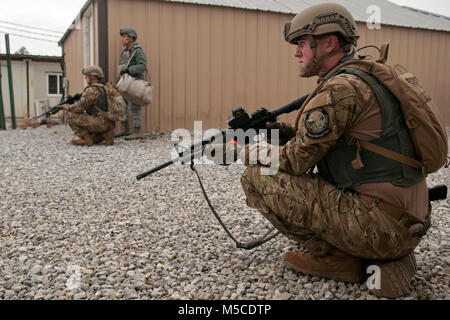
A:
{"x":75,"y":224}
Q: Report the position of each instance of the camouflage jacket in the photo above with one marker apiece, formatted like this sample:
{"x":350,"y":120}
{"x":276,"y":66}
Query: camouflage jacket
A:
{"x":88,"y":99}
{"x":329,"y":115}
{"x":138,"y":64}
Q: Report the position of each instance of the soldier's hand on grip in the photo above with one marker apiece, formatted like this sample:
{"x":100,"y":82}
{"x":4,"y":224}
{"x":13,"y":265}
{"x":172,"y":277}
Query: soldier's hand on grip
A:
{"x":256,"y":154}
{"x":287,"y":131}
{"x":222,"y":154}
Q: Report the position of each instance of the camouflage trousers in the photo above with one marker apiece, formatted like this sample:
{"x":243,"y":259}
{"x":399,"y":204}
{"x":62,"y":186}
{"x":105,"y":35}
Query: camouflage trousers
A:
{"x":316,"y":214}
{"x":84,"y":124}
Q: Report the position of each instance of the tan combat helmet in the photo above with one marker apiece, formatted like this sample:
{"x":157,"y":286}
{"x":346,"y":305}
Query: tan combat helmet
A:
{"x":322,"y":19}
{"x":93,"y":71}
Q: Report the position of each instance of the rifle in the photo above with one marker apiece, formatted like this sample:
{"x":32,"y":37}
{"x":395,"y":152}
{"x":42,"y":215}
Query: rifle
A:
{"x":239,"y":120}
{"x":57,"y":108}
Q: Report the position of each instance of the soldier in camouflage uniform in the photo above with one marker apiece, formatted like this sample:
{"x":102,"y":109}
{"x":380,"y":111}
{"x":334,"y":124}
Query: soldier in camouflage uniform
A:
{"x":343,"y":228}
{"x":87,"y":116}
{"x":136,"y":68}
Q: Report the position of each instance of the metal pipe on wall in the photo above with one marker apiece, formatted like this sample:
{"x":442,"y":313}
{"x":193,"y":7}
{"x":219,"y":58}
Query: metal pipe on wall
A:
{"x":28,"y":89}
{"x":10,"y":79}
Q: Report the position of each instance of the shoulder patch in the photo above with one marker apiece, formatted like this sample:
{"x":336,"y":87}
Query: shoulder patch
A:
{"x":317,"y":123}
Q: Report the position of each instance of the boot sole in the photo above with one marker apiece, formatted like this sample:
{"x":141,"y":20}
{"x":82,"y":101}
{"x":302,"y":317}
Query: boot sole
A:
{"x":134,"y":138}
{"x":338,"y":276}
{"x":395,"y":277}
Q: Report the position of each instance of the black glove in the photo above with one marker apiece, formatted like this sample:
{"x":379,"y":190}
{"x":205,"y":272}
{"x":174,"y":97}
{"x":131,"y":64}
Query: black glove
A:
{"x":124,"y":71}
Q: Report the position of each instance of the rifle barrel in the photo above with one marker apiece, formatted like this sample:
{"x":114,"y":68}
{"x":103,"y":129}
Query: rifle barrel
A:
{"x":146,"y":174}
{"x":292,"y":106}
{"x":194,"y":152}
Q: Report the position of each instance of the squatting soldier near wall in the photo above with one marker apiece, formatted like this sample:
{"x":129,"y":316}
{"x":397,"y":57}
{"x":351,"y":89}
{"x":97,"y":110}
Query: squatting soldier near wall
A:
{"x":136,"y":68}
{"x":87,"y":117}
{"x":348,"y":224}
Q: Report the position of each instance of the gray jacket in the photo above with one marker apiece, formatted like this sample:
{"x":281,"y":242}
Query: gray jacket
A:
{"x":138,"y":64}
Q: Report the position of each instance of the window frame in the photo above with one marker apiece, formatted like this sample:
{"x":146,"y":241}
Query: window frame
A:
{"x":59,"y":84}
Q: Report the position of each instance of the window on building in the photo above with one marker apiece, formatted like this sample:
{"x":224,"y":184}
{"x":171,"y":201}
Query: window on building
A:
{"x":55,"y":84}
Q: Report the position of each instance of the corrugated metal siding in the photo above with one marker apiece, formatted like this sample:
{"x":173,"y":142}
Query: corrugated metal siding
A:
{"x":73,"y":58}
{"x":73,"y":49}
{"x":391,"y":14}
{"x":205,"y":60}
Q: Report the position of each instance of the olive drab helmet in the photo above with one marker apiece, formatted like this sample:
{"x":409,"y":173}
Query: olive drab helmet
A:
{"x":93,"y":71}
{"x":318,"y":20}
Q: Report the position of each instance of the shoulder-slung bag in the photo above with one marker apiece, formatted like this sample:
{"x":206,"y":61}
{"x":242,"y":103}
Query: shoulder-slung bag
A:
{"x":139,"y":92}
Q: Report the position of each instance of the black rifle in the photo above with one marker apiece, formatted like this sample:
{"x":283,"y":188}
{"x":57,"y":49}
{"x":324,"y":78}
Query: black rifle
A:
{"x":239,"y":120}
{"x":57,"y":108}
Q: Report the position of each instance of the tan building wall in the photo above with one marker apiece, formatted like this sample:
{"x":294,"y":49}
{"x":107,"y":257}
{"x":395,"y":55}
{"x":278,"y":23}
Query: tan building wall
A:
{"x":206,"y":60}
{"x":73,"y":58}
{"x":74,"y":52}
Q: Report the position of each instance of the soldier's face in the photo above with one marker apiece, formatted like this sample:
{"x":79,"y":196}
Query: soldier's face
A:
{"x":126,"y":40}
{"x":90,"y":79}
{"x":304,"y":54}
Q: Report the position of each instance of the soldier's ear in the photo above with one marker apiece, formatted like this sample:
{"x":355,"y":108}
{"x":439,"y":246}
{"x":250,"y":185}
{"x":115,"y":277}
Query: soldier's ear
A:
{"x":332,"y":42}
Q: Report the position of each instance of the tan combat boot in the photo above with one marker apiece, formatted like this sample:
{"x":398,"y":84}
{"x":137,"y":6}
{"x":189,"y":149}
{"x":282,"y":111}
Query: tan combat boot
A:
{"x":86,"y":140}
{"x":336,"y":265}
{"x":98,"y":138}
{"x":109,"y":137}
{"x":396,"y":276}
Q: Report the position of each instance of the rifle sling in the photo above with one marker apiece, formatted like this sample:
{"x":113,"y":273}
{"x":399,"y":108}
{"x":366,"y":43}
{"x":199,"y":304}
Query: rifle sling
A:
{"x":247,"y":246}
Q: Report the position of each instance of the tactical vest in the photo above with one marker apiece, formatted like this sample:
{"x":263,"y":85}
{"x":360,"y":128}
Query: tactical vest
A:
{"x":337,"y":166}
{"x":102,"y":102}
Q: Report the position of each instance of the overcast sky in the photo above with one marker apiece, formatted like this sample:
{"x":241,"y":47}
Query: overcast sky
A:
{"x":57,"y":15}
{"x":54,"y":15}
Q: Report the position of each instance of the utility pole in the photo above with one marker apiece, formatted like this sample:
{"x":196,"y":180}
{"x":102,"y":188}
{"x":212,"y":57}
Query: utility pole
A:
{"x":10,"y":79}
{"x":2,"y":112}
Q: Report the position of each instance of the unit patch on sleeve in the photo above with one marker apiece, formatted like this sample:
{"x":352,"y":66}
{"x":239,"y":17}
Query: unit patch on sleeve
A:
{"x":316,"y":123}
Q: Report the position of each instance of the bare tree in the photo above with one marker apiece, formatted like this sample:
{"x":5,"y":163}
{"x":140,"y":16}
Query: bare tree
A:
{"x":22,"y":50}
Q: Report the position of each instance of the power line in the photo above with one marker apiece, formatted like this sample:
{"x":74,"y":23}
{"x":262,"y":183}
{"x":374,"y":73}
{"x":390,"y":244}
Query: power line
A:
{"x":18,"y":35}
{"x":21,"y":25}
{"x":21,"y":30}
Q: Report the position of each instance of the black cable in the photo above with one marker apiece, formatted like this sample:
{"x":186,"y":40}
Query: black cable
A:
{"x":21,"y":25}
{"x":18,"y":35}
{"x":25,"y":31}
{"x":369,"y":46}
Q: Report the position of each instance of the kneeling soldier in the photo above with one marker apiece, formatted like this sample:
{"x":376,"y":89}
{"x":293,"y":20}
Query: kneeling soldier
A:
{"x":87,"y":116}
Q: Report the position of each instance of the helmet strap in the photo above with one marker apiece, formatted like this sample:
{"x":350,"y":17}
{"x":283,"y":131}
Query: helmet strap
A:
{"x":313,"y":68}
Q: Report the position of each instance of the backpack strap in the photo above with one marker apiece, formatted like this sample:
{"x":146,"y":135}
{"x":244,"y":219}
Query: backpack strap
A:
{"x":377,"y":88}
{"x":391,"y":154}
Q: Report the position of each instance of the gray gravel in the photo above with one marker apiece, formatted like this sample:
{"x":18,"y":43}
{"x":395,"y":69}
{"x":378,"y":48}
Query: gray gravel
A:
{"x":75,"y":224}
